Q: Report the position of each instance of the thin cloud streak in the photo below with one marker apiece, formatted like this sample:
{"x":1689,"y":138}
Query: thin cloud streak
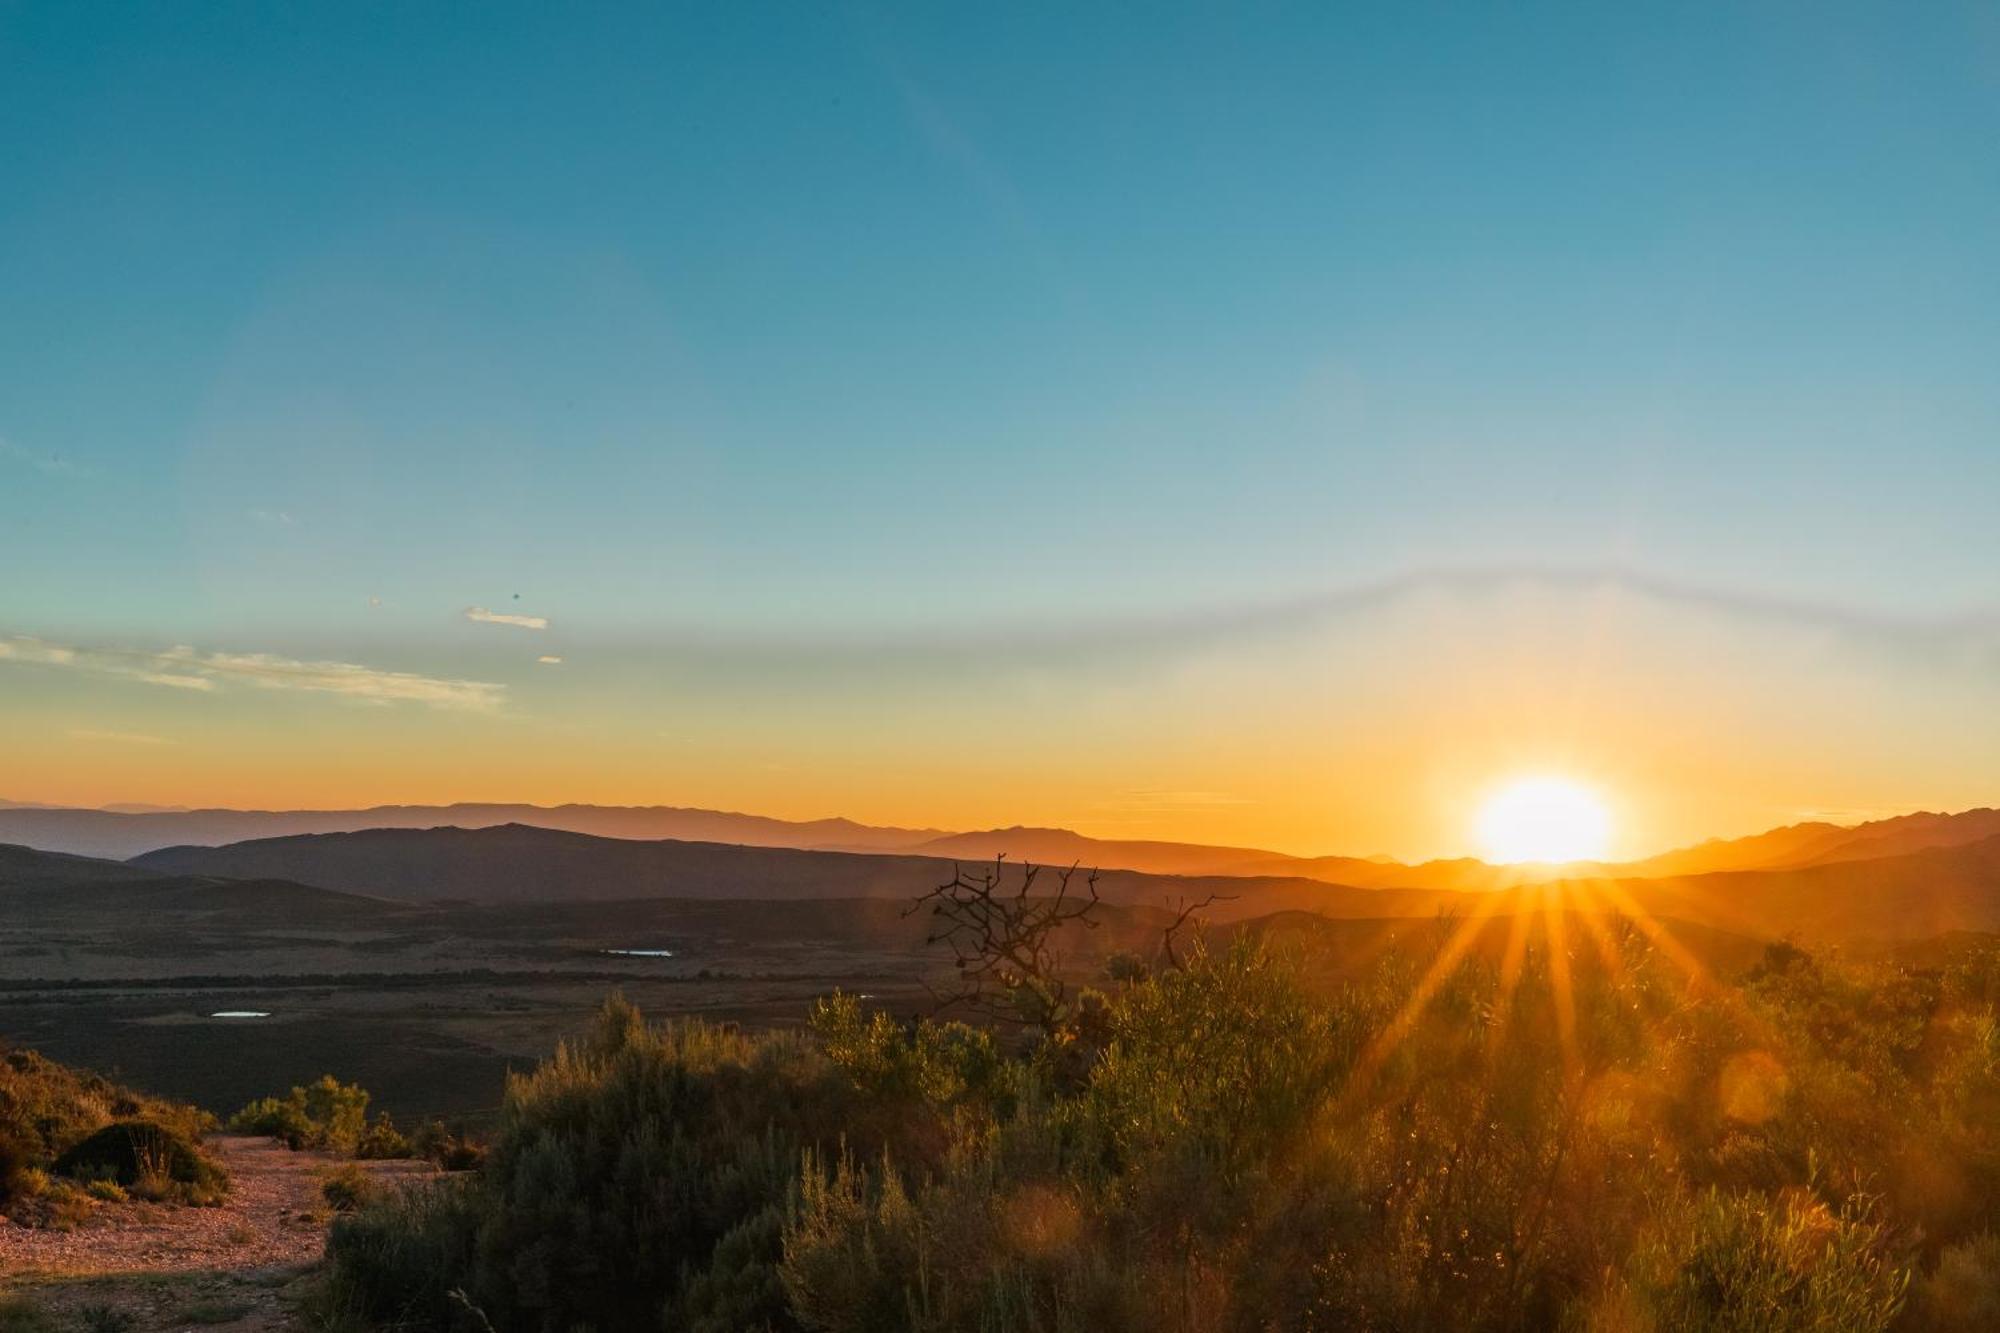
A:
{"x":187,"y":668}
{"x":485,"y":617}
{"x":118,"y":737}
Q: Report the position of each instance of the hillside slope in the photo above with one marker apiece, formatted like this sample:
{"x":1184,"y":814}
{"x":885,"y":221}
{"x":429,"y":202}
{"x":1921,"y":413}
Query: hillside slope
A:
{"x":123,"y":834}
{"x":515,"y":863}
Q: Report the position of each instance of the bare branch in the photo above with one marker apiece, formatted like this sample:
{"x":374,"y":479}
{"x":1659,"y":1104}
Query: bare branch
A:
{"x":1003,"y":943}
{"x":1189,"y":914}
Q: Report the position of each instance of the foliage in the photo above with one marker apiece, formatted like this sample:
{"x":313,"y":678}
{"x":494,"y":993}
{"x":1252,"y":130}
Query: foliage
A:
{"x":639,"y":1170}
{"x":325,"y":1114}
{"x":1583,"y":1134}
{"x":147,"y":1160}
{"x":449,"y":1148}
{"x":348,"y":1188}
{"x":47,"y":1108}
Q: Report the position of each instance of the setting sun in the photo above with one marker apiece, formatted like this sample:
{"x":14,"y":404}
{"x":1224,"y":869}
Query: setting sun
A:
{"x":1547,"y":819}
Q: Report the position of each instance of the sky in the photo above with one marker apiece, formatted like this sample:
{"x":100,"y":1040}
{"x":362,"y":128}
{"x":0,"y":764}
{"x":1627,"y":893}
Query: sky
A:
{"x":1265,"y":424}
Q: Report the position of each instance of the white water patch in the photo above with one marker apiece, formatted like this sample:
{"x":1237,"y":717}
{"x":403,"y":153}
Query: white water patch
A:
{"x":639,"y":953}
{"x":241,"y":1013}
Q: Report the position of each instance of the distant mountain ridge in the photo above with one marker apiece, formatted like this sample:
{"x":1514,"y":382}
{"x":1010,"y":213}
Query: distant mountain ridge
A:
{"x":1927,"y":892}
{"x":55,"y":884}
{"x":122,"y":835}
{"x":125,"y":834}
{"x":518,"y":863}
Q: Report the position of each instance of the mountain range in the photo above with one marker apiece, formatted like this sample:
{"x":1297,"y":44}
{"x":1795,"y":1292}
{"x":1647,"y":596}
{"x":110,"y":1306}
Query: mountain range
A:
{"x":123,"y":834}
{"x":1925,"y":892}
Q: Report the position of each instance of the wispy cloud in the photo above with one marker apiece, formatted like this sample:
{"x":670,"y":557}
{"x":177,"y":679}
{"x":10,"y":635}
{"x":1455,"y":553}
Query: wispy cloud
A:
{"x":188,"y":668}
{"x":485,"y":617}
{"x":274,"y":518}
{"x":117,"y":737}
{"x":549,"y":659}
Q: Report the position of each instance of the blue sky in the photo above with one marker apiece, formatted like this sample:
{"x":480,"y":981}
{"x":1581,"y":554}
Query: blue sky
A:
{"x":720,"y":330}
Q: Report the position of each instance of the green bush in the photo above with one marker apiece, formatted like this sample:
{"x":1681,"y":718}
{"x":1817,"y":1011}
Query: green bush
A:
{"x":382,"y":1141}
{"x":449,"y":1148}
{"x":47,"y":1108}
{"x":325,"y":1114}
{"x":148,"y":1160}
{"x":621,"y":1168}
{"x":348,"y":1189}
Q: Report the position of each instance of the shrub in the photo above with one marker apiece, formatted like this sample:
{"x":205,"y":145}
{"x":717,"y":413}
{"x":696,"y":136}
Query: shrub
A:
{"x":46,"y":1108}
{"x":282,"y":1119}
{"x":149,"y":1160}
{"x":1581,"y":1137}
{"x":17,"y":1158}
{"x":450,"y":1149}
{"x":1728,"y":1263}
{"x":1963,"y":1293}
{"x":621,"y":1167}
{"x":324,"y":1114}
{"x":348,"y":1188}
{"x":382,"y":1140}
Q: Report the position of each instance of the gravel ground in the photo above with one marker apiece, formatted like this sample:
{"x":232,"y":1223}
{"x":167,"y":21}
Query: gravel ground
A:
{"x":179,"y":1268}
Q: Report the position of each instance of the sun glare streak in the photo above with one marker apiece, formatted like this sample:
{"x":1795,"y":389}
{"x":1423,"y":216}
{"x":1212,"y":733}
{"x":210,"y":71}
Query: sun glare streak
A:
{"x":1511,"y":963}
{"x":1378,"y":1051}
{"x":1563,"y":991}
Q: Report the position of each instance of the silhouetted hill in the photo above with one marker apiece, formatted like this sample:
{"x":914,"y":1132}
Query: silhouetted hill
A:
{"x":1820,"y":843}
{"x":1923,"y":893}
{"x":124,"y":834}
{"x":515,"y":863}
{"x":1063,"y":847}
{"x":251,"y":903}
{"x":112,"y":833}
{"x":25,"y":867}
{"x":1892,"y":897}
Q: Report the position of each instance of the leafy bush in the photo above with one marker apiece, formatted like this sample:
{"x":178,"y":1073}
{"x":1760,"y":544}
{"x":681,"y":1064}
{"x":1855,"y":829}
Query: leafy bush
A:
{"x":148,"y":1160}
{"x":383,"y":1141}
{"x":46,"y":1108}
{"x":621,"y":1168}
{"x":283,"y":1119}
{"x":448,"y":1148}
{"x":325,"y":1114}
{"x":348,"y":1189}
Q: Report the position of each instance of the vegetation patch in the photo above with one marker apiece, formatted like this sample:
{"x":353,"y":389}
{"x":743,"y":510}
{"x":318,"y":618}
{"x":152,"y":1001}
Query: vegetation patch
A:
{"x":326,"y":1114}
{"x":70,"y":1139}
{"x":147,"y":1160}
{"x":1590,"y":1137}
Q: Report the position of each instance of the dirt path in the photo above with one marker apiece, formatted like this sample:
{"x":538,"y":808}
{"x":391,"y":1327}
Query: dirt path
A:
{"x":178,"y":1268}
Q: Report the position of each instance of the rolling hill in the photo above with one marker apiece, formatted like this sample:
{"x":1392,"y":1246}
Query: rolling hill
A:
{"x":517,"y":863}
{"x":124,"y":834}
{"x":1930,"y":891}
{"x":50,"y":885}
